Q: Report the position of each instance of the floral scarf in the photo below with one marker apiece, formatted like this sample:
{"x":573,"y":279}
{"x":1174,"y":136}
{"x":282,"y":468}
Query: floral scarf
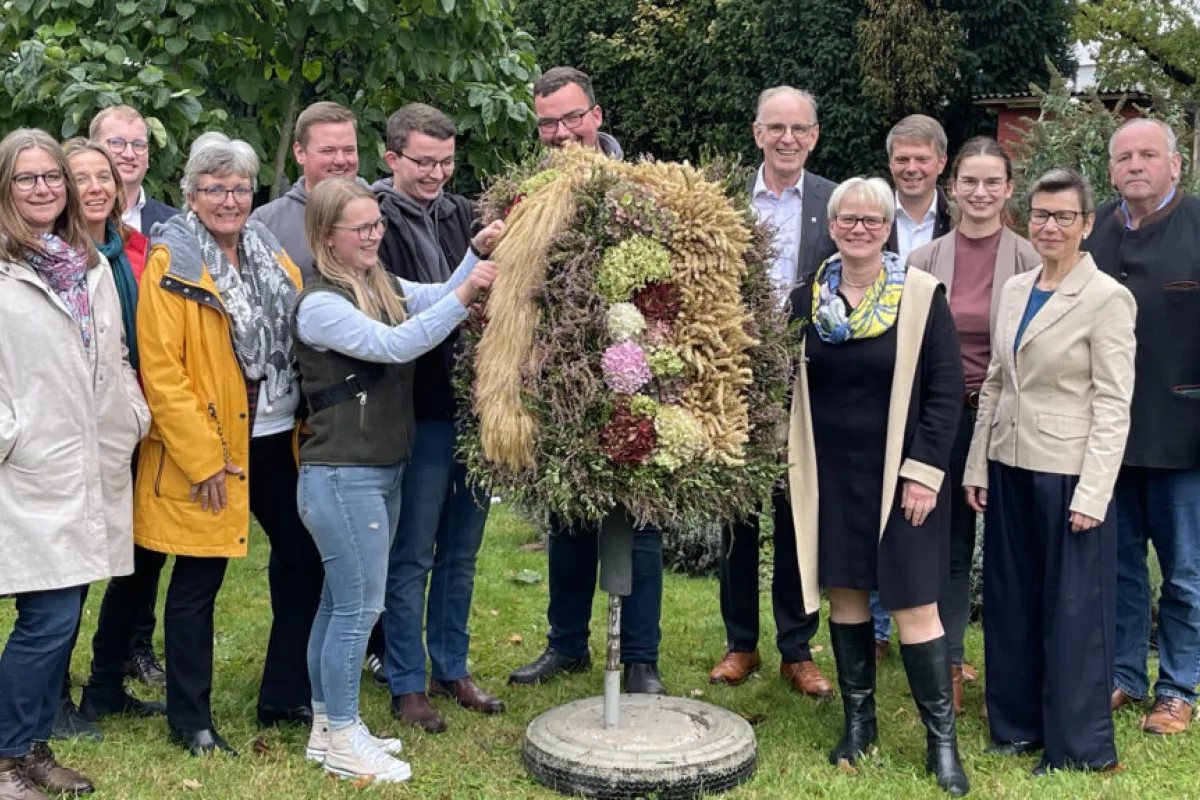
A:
{"x":259,"y":299}
{"x":64,"y":270}
{"x":872,"y":317}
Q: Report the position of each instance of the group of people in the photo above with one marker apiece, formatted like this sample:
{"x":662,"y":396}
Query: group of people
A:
{"x":164,"y":374}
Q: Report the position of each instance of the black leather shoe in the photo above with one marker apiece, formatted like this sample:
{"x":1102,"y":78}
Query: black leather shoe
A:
{"x":70,"y":723}
{"x":202,"y":743}
{"x":143,"y":666}
{"x":641,"y":677}
{"x":1012,"y":748}
{"x":96,"y":704}
{"x":854,"y":651}
{"x":269,"y":716}
{"x":547,"y":665}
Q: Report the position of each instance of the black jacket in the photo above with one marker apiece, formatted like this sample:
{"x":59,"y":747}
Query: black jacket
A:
{"x":1160,"y":264}
{"x":457,"y":222}
{"x":153,"y":212}
{"x":942,"y":223}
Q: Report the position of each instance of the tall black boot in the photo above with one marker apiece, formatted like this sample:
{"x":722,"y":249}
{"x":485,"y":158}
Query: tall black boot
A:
{"x":854,"y":649}
{"x":928,"y":668}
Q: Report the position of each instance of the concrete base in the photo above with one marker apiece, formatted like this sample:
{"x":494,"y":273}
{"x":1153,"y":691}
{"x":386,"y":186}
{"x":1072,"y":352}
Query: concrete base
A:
{"x":665,"y":747}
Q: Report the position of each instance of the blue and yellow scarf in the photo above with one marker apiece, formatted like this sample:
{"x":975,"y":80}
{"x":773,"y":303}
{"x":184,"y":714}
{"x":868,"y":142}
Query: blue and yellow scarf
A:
{"x":872,"y":317}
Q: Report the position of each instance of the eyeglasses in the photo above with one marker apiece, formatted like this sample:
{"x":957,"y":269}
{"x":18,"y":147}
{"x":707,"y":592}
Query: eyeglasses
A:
{"x":217,"y":193}
{"x":569,"y":121}
{"x":26,"y":181}
{"x":117,"y":145}
{"x":426,"y":165}
{"x":1064,"y":219}
{"x":847,"y":222}
{"x":992,"y":185}
{"x":367,"y":230}
{"x":776,"y":130}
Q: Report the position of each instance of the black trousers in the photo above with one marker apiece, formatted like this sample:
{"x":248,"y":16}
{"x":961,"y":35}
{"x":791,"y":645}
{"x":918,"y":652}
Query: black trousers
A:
{"x":738,"y":571}
{"x":188,"y":632}
{"x":954,"y":605}
{"x":295,"y":573}
{"x":122,"y":617}
{"x":1050,"y":619}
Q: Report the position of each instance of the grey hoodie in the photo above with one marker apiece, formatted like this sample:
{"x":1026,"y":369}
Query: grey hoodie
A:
{"x":284,"y":217}
{"x":423,"y":222}
{"x":609,"y":145}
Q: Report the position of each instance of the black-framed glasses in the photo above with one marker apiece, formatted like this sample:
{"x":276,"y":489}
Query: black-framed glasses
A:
{"x":217,"y":193}
{"x":116,"y":145}
{"x":27,"y":181}
{"x":776,"y":130}
{"x":366,"y":230}
{"x":847,"y":222}
{"x":1064,"y":219}
{"x":426,"y":165}
{"x":569,"y":121}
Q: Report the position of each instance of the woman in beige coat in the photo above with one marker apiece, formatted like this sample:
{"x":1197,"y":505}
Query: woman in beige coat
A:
{"x":70,"y":415}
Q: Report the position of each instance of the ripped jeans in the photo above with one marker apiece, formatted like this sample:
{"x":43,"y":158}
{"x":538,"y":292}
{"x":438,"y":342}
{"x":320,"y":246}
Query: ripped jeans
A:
{"x":351,"y":513}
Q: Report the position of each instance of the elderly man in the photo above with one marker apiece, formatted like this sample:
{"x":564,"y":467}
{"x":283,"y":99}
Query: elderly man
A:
{"x":1150,"y":241}
{"x":567,"y":111}
{"x":123,"y":131}
{"x":325,"y":146}
{"x":792,"y":201}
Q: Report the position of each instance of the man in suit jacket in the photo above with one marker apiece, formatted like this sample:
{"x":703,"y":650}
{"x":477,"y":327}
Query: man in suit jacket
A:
{"x":793,"y":201}
{"x":916,"y":148}
{"x":123,"y":131}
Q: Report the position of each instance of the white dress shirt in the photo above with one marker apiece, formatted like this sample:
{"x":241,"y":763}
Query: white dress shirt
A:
{"x":911,"y":234}
{"x":133,"y":217}
{"x":783,"y":212}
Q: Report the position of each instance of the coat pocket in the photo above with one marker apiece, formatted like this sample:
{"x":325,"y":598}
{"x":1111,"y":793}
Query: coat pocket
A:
{"x":1063,"y":426}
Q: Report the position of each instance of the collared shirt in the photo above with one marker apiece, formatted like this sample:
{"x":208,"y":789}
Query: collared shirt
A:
{"x":1125,"y":207}
{"x":783,"y":213}
{"x":911,"y":234}
{"x":133,"y":217}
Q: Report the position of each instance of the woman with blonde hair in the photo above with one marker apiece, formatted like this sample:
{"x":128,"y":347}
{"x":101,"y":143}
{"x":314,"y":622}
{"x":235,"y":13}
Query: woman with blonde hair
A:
{"x":70,"y":416}
{"x":359,"y":329}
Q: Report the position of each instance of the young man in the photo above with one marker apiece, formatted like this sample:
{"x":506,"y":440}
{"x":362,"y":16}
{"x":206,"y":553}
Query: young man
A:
{"x":325,"y":146}
{"x":123,"y":131}
{"x":441,"y":518}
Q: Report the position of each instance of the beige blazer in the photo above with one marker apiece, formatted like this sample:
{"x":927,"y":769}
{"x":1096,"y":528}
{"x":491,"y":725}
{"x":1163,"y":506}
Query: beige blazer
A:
{"x":1015,"y":255}
{"x":1061,"y":402}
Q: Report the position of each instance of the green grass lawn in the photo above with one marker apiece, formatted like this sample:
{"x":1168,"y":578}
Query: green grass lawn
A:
{"x":480,"y":757}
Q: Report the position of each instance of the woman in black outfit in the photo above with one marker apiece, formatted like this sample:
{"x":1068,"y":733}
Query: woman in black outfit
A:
{"x":875,"y":409}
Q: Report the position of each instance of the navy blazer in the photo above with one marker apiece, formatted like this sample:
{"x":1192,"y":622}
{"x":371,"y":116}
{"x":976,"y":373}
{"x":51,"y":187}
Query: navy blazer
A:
{"x":153,"y":212}
{"x":815,"y":242}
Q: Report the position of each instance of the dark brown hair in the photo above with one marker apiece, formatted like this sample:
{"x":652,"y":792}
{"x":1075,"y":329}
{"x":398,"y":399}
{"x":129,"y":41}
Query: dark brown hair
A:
{"x":417,"y":118}
{"x":982,"y":146}
{"x":554,"y":79}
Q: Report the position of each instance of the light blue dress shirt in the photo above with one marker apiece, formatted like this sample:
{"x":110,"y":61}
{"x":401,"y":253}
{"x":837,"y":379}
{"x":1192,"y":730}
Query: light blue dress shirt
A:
{"x":1125,"y":207}
{"x":911,"y":234}
{"x":783,"y":213}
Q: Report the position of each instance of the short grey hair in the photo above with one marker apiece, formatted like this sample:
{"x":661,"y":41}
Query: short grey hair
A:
{"x":214,"y":153}
{"x":1168,"y":131}
{"x":919,"y":128}
{"x":776,"y":91}
{"x":870,"y":190}
{"x":1063,"y":179}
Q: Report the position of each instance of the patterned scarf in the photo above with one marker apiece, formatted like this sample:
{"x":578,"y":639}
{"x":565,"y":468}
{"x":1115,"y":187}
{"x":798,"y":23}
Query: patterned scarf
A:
{"x":64,"y":269}
{"x":872,"y":317}
{"x":259,"y":299}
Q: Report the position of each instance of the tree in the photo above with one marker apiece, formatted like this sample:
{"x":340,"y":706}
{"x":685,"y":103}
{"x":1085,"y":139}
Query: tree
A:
{"x":908,"y":55}
{"x":1152,"y":43}
{"x":248,"y":67}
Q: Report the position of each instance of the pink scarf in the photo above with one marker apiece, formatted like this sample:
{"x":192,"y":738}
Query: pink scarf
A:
{"x":64,"y":269}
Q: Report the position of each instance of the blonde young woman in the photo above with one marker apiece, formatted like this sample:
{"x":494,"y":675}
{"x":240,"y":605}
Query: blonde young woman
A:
{"x":358,"y":331}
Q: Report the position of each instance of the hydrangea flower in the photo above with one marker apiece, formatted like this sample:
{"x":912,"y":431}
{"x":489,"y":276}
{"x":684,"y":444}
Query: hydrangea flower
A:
{"x":625,"y":322}
{"x":535,"y":182}
{"x":627,"y":438}
{"x":643,"y":405}
{"x":625,"y":368}
{"x":658,"y":302}
{"x":630,"y":208}
{"x":680,"y":436}
{"x":631,"y":265}
{"x":665,"y":362}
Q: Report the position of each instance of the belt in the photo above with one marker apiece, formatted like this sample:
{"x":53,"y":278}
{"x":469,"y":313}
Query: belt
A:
{"x":350,"y":387}
{"x":971,"y":398}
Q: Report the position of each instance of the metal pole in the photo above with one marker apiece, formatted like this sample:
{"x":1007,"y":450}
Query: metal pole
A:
{"x":612,"y":665}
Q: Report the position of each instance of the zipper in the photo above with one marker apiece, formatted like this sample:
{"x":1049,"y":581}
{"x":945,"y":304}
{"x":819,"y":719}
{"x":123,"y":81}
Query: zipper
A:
{"x":162,"y":459}
{"x":362,"y":414}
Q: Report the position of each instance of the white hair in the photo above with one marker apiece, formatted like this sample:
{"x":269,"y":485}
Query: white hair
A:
{"x":1172,"y":141}
{"x":214,"y":153}
{"x":776,"y":91}
{"x":874,"y":191}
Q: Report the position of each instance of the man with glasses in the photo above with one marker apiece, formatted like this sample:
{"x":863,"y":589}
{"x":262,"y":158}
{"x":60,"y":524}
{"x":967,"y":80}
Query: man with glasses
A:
{"x":123,"y":131}
{"x":567,"y":111}
{"x":325,"y":146}
{"x":793,"y":202}
{"x":429,"y":231}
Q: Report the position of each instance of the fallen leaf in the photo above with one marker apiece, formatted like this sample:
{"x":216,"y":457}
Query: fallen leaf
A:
{"x":191,"y":783}
{"x":533,"y":547}
{"x":846,"y":767}
{"x":516,"y":638}
{"x":697,"y":693}
{"x":493,"y":612}
{"x":528,"y":576}
{"x":261,"y":748}
{"x":363,"y":782}
{"x":817,"y":648}
{"x":783,"y":770}
{"x":899,"y":711}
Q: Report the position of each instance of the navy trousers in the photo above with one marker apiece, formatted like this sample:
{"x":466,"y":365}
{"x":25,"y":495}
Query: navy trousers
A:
{"x":1049,"y":620}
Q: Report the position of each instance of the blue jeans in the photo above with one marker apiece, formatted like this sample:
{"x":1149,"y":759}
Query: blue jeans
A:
{"x":351,"y":513}
{"x":440,"y":530}
{"x":573,"y":560}
{"x":32,"y":667}
{"x":881,"y":618}
{"x":1162,"y":507}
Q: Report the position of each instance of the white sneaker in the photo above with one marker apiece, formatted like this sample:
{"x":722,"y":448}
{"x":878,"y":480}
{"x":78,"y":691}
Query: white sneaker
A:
{"x":318,"y":739}
{"x":353,"y":753}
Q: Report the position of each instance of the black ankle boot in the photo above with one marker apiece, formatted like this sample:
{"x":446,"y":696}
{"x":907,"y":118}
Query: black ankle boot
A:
{"x":928,"y":669}
{"x":854,"y":649}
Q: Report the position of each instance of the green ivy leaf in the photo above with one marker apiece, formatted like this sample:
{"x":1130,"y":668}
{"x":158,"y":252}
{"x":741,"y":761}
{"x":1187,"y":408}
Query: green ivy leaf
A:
{"x":175,"y":45}
{"x":157,"y":130}
{"x":150,"y":75}
{"x":64,"y":27}
{"x":115,"y":54}
{"x":312,"y":71}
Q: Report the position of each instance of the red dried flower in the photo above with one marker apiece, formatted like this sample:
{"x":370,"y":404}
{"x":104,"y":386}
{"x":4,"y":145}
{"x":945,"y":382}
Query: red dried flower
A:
{"x":627,"y":439}
{"x":658,"y":302}
{"x":513,"y":205}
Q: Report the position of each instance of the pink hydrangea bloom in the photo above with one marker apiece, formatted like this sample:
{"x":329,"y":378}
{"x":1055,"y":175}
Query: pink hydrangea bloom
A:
{"x":625,"y":368}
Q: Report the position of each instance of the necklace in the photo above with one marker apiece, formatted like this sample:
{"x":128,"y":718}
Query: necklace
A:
{"x":853,"y":285}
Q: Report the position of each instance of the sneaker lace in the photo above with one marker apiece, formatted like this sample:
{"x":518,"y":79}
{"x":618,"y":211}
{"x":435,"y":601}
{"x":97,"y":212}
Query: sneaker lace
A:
{"x":368,"y":749}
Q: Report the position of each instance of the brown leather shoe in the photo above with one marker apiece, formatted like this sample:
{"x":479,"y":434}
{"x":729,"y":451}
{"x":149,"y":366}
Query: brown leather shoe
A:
{"x":969,"y":673}
{"x":414,"y":709}
{"x":734,"y":668}
{"x":468,"y":695}
{"x":1121,"y":700}
{"x":41,"y":768}
{"x":1170,"y":716}
{"x":956,"y":684}
{"x":13,"y":783}
{"x":806,"y":679}
{"x":883,"y":649}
